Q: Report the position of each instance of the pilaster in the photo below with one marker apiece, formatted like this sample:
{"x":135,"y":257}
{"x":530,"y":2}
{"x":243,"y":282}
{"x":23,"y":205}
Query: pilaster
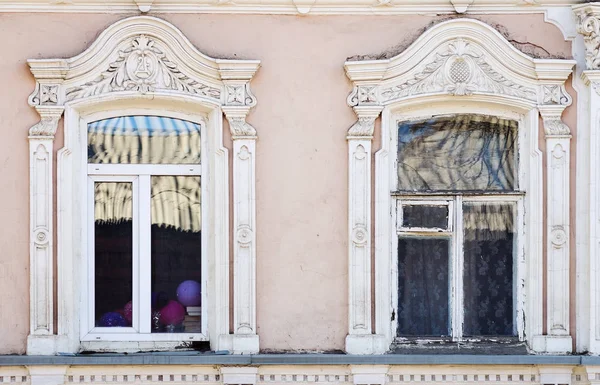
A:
{"x":588,"y":25}
{"x":45,"y":99}
{"x":558,"y":138}
{"x":360,"y":339}
{"x":238,"y":101}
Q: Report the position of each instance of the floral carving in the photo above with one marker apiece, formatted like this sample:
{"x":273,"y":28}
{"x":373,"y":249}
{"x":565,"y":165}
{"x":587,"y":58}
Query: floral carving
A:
{"x":558,"y":236}
{"x":588,"y":25}
{"x":44,"y":94}
{"x":364,"y":126}
{"x":142,"y":67}
{"x":554,"y":94}
{"x":360,"y":235}
{"x":244,"y":235}
{"x":235,"y":95}
{"x":362,"y":95}
{"x":459,"y":68}
{"x":239,"y":127}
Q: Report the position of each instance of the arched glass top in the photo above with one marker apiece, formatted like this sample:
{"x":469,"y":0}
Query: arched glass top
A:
{"x":143,"y":140}
{"x":457,"y":153}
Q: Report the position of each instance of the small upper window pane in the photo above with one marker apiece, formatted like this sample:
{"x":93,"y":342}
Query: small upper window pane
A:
{"x":425,"y":216}
{"x":144,"y":139}
{"x":457,"y":153}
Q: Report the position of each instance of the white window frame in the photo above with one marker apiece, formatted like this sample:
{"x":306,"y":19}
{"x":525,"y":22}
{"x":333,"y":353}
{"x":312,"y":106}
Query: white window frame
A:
{"x":177,"y":81}
{"x":455,"y":201}
{"x":140,"y":176}
{"x":499,"y":81}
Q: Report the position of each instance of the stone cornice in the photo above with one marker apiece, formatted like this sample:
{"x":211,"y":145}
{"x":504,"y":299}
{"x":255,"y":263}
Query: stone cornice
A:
{"x":286,"y":6}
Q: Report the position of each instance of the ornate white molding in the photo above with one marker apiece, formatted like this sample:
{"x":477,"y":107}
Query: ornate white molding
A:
{"x":588,"y":25}
{"x":147,"y":64}
{"x":245,"y":339}
{"x":558,"y":137}
{"x":458,"y":68}
{"x":360,"y":338}
{"x":366,"y":374}
{"x":319,"y":7}
{"x":458,"y":62}
{"x":589,"y":306}
{"x":144,"y":67}
{"x":41,"y":257}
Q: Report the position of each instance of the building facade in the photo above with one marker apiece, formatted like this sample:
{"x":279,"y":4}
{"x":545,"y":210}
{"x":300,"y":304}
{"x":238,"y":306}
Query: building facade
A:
{"x":319,"y":191}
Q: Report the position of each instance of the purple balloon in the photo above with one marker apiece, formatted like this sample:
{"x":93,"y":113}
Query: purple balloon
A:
{"x":112,"y":319}
{"x":189,"y":293}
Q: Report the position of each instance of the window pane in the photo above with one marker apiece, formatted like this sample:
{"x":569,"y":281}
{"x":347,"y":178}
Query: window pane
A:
{"x":461,"y":152}
{"x":488,"y":270}
{"x":113,"y":249}
{"x":425,"y":216}
{"x":423,"y":287}
{"x":144,"y":139}
{"x":176,"y":254}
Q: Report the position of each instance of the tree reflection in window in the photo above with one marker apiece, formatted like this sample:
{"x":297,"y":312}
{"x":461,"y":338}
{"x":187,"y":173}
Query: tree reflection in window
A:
{"x":460,"y":152}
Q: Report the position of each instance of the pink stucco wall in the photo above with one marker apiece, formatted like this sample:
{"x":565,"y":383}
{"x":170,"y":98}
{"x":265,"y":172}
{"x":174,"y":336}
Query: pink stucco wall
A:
{"x":301,"y":117}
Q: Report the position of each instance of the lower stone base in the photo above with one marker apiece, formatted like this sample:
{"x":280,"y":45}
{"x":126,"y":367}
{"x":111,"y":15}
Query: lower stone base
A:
{"x":239,"y":343}
{"x":552,"y":344}
{"x":366,"y":344}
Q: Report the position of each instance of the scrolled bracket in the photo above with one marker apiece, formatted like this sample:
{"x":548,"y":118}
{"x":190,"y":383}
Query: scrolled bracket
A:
{"x":364,"y":127}
{"x":48,"y":124}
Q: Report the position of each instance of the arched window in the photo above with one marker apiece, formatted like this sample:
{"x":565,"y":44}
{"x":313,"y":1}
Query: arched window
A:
{"x":143,"y":196}
{"x":458,"y":193}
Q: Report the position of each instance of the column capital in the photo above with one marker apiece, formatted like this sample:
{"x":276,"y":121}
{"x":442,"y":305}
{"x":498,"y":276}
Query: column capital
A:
{"x":365,"y":125}
{"x":553,"y":124}
{"x":48,"y":124}
{"x":240,"y":129}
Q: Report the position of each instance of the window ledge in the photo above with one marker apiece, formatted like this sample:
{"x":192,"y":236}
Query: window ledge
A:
{"x":198,"y":358}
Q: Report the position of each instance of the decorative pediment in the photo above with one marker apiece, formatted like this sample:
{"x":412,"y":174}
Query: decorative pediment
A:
{"x":143,"y":67}
{"x":460,"y":58}
{"x":143,"y":55}
{"x":459,"y":67}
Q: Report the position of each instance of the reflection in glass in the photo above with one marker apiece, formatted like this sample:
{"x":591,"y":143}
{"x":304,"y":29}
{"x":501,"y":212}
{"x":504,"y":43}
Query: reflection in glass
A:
{"x":425,"y":216}
{"x":423,"y":265}
{"x":488,"y":270}
{"x":176,"y":254}
{"x":113,"y":249}
{"x":144,"y":139}
{"x":461,"y":152}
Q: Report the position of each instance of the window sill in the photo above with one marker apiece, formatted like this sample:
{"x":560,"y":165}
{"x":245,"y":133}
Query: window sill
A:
{"x":212,"y":358}
{"x":499,"y":346}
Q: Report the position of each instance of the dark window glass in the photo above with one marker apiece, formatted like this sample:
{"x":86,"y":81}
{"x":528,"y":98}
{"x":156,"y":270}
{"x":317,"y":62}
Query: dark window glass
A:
{"x":423,"y":286}
{"x":461,"y":152}
{"x":176,"y":254}
{"x":488,"y":269}
{"x":113,"y":250}
{"x":425,"y":216}
{"x":144,"y":139}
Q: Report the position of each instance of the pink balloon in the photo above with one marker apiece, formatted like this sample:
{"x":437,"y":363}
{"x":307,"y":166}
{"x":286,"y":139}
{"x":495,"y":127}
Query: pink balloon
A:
{"x":172,"y":314}
{"x":128,"y":312}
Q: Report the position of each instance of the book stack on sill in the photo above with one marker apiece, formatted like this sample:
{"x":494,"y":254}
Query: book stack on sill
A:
{"x":191,"y":322}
